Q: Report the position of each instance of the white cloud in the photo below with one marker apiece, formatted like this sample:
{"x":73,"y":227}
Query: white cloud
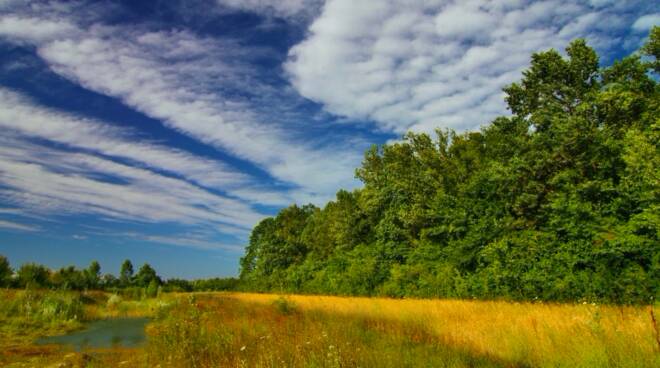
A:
{"x":461,"y":21}
{"x":22,"y":115}
{"x":33,"y":29}
{"x":16,"y":226}
{"x":645,"y":22}
{"x":425,"y":64}
{"x":278,"y":8}
{"x":45,"y":180}
{"x":186,"y":82}
{"x":191,"y":242}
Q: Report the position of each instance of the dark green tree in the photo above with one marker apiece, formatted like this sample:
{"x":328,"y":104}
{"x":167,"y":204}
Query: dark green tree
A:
{"x":93,"y":275}
{"x":32,"y":275}
{"x":146,"y":275}
{"x":126,"y":273}
{"x":5,"y":272}
{"x":559,"y":201}
{"x":69,"y":278}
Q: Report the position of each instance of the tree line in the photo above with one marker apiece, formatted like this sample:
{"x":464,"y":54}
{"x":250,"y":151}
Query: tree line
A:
{"x":146,"y":281}
{"x":558,"y":201}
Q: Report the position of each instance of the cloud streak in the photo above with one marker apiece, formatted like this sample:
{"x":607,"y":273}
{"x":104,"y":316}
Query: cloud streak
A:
{"x":20,"y":114}
{"x":190,"y":84}
{"x":16,"y":226}
{"x":53,"y":181}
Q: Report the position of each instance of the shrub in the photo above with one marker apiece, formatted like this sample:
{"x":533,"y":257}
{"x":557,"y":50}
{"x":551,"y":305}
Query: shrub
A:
{"x":284,"y":306}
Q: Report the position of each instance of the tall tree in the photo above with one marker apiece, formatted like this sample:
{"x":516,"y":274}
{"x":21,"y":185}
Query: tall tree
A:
{"x":93,"y":275}
{"x":126,"y":273}
{"x":559,"y":201}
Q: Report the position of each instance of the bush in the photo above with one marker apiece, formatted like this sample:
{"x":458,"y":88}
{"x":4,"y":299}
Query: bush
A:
{"x":284,"y":306}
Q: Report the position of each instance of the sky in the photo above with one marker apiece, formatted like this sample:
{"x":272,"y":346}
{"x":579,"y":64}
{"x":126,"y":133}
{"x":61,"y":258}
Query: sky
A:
{"x":162,"y":131}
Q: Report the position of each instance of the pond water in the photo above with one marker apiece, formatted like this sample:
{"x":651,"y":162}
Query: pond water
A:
{"x":107,"y":333}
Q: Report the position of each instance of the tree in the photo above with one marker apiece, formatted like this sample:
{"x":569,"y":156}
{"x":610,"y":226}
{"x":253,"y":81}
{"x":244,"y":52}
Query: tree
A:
{"x":69,"y":278}
{"x":5,"y":272}
{"x":558,"y":201}
{"x":652,"y":48}
{"x":126,"y":273}
{"x":93,"y":275}
{"x":146,"y":275}
{"x":32,"y":275}
{"x":109,"y":281}
{"x":152,"y":289}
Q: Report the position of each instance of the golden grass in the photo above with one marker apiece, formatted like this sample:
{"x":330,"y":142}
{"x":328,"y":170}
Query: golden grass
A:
{"x":534,"y":334}
{"x":266,"y":330}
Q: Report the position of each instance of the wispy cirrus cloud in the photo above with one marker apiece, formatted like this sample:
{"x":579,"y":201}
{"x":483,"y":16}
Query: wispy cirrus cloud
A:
{"x":11,"y":225}
{"x":20,"y":114}
{"x":47,"y":180}
{"x":422,"y":64}
{"x":200,"y":87}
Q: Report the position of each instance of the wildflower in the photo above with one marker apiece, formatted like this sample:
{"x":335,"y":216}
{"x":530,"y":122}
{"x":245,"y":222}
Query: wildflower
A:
{"x":584,"y":303}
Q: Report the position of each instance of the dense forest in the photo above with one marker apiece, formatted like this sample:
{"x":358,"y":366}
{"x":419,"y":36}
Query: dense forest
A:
{"x":558,"y":201}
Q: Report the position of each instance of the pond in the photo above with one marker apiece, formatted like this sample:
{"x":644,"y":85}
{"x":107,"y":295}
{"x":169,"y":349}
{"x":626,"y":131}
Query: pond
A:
{"x":106,"y":333}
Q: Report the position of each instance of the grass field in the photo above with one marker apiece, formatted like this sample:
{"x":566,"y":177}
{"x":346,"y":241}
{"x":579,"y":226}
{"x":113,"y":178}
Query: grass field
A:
{"x":260,"y":330}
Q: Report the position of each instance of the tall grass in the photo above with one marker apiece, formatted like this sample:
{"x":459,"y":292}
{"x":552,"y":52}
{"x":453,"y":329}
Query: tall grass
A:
{"x":27,"y":314}
{"x":529,"y":334}
{"x":260,"y":330}
{"x":218,"y":331}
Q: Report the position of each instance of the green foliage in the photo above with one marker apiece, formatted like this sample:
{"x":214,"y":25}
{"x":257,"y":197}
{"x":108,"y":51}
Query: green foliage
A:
{"x":5,"y":272}
{"x":213,"y":284}
{"x":32,"y":275}
{"x":69,"y":278}
{"x":560,"y":201}
{"x":152,"y":289}
{"x":146,"y":275}
{"x":93,"y":275}
{"x":41,"y":308}
{"x":284,"y":306}
{"x":126,"y":273}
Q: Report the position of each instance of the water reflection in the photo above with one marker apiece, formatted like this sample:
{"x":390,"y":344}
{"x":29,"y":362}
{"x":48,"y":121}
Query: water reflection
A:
{"x":108,"y":333}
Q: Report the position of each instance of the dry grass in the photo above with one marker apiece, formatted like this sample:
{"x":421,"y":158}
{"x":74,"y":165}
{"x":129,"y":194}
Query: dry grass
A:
{"x":533,"y":334}
{"x":214,"y":330}
{"x":262,"y":330}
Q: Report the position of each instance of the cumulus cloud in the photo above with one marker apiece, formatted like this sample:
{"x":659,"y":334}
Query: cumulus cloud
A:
{"x":418,"y":65}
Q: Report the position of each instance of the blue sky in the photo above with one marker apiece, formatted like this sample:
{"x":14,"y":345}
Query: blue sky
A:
{"x":162,"y":131}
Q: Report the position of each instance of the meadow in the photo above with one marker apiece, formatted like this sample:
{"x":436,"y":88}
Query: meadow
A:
{"x":267,"y":330}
